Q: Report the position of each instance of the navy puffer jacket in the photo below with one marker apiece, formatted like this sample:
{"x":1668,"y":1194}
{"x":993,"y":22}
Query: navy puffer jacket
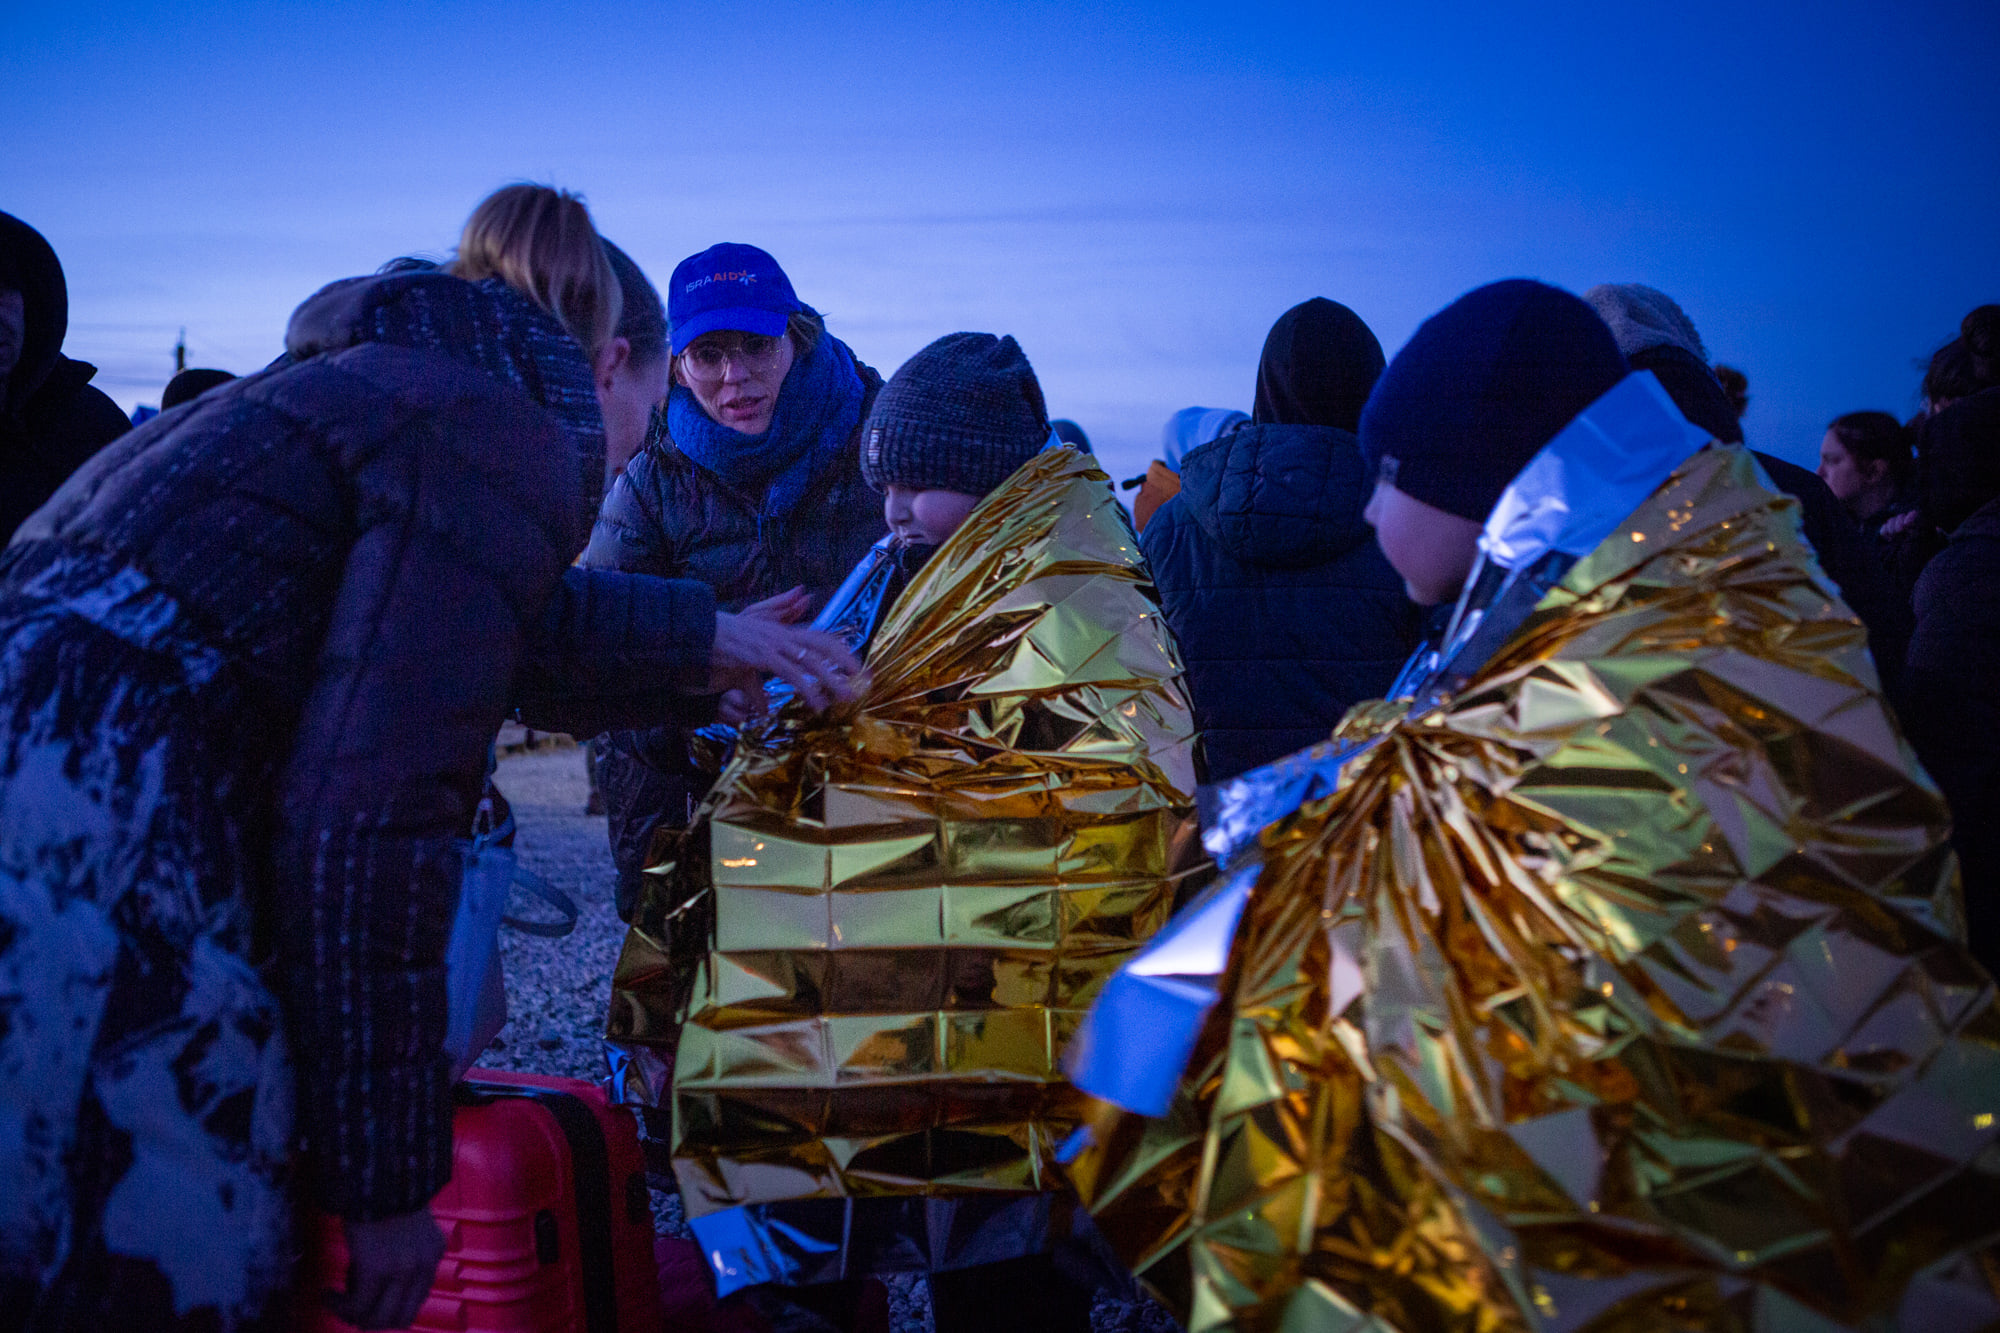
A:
{"x":1286,"y":611}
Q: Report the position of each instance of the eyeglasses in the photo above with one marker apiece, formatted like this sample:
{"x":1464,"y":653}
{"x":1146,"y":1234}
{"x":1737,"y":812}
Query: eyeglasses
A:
{"x":758,"y":352}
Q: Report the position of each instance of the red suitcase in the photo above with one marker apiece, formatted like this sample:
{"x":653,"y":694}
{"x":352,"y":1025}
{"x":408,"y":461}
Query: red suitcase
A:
{"x":547,"y":1223}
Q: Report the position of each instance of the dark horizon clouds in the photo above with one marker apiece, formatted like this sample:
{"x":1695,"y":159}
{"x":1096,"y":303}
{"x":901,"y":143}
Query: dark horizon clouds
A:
{"x":1135,"y":191}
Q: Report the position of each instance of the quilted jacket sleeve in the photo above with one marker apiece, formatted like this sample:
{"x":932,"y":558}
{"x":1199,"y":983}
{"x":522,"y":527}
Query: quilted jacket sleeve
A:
{"x":458,"y":543}
{"x":616,"y":650}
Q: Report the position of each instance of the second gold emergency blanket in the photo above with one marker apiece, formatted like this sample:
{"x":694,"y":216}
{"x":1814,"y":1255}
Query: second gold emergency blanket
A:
{"x":900,"y":914}
{"x":1618,"y":992}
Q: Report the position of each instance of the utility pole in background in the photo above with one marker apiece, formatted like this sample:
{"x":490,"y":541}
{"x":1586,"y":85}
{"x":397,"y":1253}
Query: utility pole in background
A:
{"x":181,"y":353}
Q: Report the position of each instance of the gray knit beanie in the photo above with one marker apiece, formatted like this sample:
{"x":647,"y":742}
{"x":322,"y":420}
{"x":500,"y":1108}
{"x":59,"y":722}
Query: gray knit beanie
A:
{"x":1642,"y":317}
{"x":961,"y":415}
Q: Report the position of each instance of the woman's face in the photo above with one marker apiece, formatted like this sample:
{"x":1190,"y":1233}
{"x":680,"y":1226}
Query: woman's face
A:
{"x":925,"y":517}
{"x":1843,"y":474}
{"x":627,"y":392}
{"x":1432,"y":550}
{"x":736,"y":376}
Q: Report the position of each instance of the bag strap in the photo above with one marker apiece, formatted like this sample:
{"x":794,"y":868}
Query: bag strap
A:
{"x":489,"y":835}
{"x":550,"y":894}
{"x":488,"y":825}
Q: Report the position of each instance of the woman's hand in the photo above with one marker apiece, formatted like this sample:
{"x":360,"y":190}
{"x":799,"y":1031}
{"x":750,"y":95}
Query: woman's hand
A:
{"x":1901,"y":523}
{"x":786,"y":608}
{"x":390,"y":1265}
{"x":749,"y":647}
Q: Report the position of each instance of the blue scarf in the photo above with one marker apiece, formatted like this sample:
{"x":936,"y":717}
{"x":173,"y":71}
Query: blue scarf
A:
{"x":819,"y":407}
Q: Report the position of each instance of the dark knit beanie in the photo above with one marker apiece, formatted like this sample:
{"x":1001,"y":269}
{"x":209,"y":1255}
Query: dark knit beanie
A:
{"x":1484,"y":384}
{"x":190,"y":385}
{"x":961,"y":415}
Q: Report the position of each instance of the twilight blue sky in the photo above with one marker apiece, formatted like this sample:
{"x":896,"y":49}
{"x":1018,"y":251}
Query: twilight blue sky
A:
{"x":1134,"y":190}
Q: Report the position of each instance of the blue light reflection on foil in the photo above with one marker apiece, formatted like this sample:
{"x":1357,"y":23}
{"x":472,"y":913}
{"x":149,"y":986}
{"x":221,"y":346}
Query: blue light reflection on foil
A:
{"x":1135,"y":1044}
{"x":1136,"y":1040}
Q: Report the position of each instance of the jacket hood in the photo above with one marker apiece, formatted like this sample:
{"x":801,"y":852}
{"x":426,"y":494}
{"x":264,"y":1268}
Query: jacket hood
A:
{"x":1280,"y":496}
{"x":1320,"y":361}
{"x":28,"y":264}
{"x":1192,"y":427}
{"x":486,"y":324}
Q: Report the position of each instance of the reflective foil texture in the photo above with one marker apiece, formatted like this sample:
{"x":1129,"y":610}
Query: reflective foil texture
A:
{"x":853,"y":978}
{"x":850,"y":615}
{"x":1621,"y":989}
{"x":1569,"y":497}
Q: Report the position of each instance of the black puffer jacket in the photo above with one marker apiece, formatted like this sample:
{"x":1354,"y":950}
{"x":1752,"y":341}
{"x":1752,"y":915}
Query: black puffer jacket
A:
{"x":375,"y":538}
{"x":670,"y":516}
{"x":1286,"y":610}
{"x":1951,"y":680}
{"x":1952,"y":708}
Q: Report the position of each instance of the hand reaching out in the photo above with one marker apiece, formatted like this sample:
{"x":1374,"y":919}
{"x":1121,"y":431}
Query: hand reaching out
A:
{"x":762,"y":641}
{"x":786,"y":608}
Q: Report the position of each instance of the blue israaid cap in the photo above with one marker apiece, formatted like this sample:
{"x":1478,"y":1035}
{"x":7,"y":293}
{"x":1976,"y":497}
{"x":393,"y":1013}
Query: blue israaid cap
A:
{"x":728,"y":286}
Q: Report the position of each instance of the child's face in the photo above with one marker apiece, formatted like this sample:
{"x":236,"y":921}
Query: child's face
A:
{"x":1432,"y":550}
{"x":925,"y":517}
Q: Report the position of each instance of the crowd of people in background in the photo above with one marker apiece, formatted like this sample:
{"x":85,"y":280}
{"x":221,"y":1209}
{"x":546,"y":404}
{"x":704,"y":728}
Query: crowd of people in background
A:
{"x":253,"y":652}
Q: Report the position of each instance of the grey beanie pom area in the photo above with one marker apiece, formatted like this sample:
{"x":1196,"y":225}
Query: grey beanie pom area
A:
{"x":1641,"y":318}
{"x":961,"y":415}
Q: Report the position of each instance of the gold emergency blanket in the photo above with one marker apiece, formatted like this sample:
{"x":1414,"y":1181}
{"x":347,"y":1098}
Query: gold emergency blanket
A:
{"x":1618,"y":992}
{"x":901,"y":912}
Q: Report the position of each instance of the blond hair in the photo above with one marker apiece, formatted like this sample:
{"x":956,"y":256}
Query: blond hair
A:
{"x":540,"y":241}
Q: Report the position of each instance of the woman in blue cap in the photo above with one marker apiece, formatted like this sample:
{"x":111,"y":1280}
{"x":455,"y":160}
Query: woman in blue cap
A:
{"x":750,"y":482}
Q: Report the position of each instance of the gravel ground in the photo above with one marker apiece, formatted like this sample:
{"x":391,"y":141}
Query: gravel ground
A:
{"x":558,"y":990}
